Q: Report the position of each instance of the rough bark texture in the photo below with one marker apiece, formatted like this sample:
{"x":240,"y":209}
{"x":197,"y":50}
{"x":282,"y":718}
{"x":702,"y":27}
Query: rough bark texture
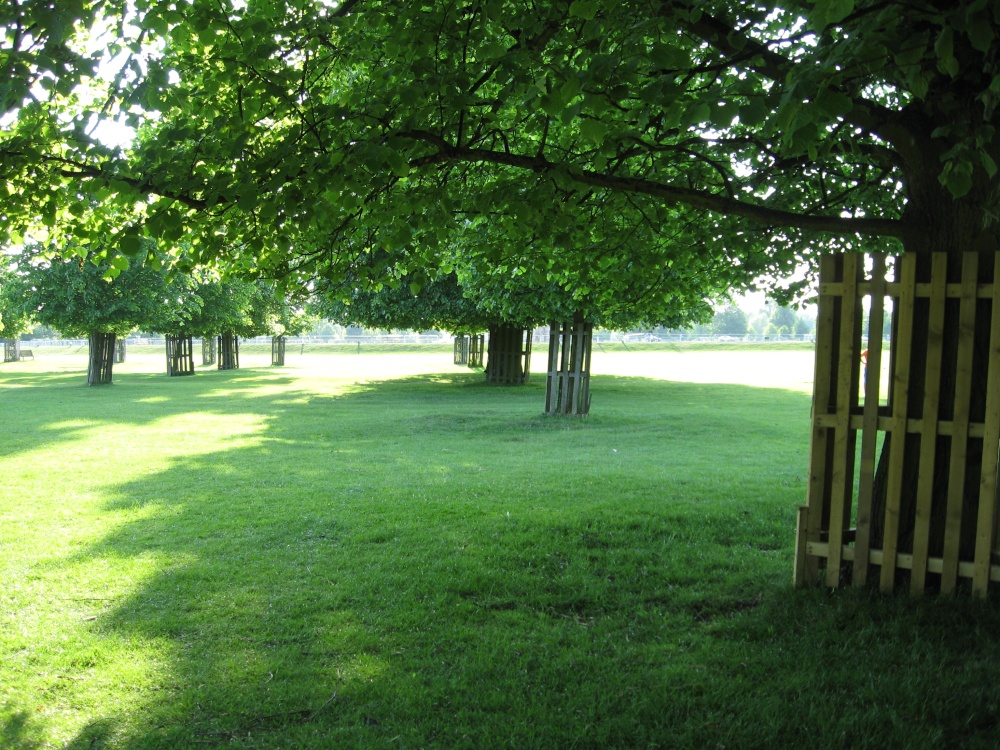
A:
{"x":101,"y":358}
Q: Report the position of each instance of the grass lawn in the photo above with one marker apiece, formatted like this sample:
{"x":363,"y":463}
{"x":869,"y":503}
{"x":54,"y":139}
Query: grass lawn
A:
{"x":377,"y":550}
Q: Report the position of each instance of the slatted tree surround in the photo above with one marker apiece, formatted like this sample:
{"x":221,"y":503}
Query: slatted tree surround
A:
{"x":229,"y":351}
{"x":477,"y":348}
{"x":904,"y":489}
{"x":277,"y":351}
{"x":509,"y":356}
{"x":461,"y":350}
{"x":180,"y":355}
{"x":567,"y":387}
{"x":11,"y":350}
{"x":208,"y":350}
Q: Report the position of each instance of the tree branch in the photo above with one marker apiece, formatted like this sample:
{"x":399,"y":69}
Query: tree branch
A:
{"x":699,"y":199}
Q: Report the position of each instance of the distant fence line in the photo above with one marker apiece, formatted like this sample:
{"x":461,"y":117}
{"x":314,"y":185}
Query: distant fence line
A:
{"x":540,"y":336}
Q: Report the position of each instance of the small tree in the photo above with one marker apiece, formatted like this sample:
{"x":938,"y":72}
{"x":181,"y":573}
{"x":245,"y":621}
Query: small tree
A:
{"x":14,"y":317}
{"x":730,"y":321}
{"x":88,"y":297}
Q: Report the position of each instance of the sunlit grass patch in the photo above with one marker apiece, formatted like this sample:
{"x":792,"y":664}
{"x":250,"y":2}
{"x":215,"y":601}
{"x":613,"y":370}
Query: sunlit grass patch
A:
{"x":381,"y":551}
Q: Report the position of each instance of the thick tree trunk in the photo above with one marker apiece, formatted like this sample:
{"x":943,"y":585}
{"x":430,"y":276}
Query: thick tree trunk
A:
{"x":101,"y":358}
{"x":509,"y":356}
{"x":180,"y":355}
{"x":277,"y":351}
{"x":208,"y":350}
{"x":229,"y":352}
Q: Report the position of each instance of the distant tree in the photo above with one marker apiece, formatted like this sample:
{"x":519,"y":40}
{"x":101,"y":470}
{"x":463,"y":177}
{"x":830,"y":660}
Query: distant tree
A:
{"x":731,"y":321}
{"x":15,"y":318}
{"x":96,"y":300}
{"x":784,"y":319}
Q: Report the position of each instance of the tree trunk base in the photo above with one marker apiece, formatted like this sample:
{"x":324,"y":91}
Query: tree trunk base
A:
{"x":101,"y":358}
{"x":509,"y":355}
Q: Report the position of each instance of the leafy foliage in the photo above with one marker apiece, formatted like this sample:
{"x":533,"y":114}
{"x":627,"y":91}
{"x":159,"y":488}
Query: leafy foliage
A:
{"x":77,"y":298}
{"x":308,"y":139}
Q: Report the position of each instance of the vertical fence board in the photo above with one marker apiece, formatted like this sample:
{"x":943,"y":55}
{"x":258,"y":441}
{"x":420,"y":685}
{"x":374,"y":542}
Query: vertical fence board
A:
{"x":900,"y":398}
{"x":811,"y":515}
{"x":843,"y":452}
{"x":986,"y":517}
{"x":960,"y":421}
{"x":869,"y":434}
{"x":930,"y":418}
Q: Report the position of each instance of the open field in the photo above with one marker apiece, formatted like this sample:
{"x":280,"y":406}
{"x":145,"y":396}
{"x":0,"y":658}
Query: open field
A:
{"x":380,"y":551}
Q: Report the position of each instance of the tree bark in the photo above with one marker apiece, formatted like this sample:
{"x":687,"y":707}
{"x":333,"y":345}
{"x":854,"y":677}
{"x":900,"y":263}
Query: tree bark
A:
{"x":101,"y":358}
{"x":119,"y":351}
{"x":509,"y":355}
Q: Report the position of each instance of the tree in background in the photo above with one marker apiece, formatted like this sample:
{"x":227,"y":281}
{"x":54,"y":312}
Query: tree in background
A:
{"x":15,"y":318}
{"x":730,"y":321}
{"x":94,"y":300}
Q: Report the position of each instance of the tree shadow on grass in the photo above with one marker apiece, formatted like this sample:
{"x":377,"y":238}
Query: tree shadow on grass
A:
{"x":391,"y":566}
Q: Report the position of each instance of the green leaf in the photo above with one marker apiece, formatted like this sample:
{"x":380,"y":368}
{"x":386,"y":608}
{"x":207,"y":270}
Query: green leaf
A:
{"x":130,"y":244}
{"x":834,"y":103}
{"x":957,"y":177}
{"x":944,"y":47}
{"x":585,"y":9}
{"x":829,"y":12}
{"x":753,"y":112}
{"x":594,"y":131}
{"x":696,"y":114}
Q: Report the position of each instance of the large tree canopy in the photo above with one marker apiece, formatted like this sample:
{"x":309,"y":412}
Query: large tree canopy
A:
{"x":321,"y":135}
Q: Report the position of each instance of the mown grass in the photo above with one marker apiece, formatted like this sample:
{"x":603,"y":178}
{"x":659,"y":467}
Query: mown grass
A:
{"x":383,"y":552}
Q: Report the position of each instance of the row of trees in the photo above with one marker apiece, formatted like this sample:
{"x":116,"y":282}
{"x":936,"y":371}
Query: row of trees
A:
{"x":102,"y":301}
{"x":595,"y":147}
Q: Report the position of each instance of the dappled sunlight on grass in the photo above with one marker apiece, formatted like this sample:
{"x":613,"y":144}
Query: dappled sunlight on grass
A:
{"x":338,"y":555}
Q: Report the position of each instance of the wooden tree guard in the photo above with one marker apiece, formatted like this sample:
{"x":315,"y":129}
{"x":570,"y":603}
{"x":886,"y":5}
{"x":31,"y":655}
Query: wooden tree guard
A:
{"x":180,"y":355}
{"x":932,"y":441}
{"x":11,"y":350}
{"x":567,"y":386}
{"x":277,"y":351}
{"x":477,"y":348}
{"x":508,"y":356}
{"x":119,"y":351}
{"x":101,"y":358}
{"x":462,"y":350}
{"x":208,"y":349}
{"x":229,"y":352}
